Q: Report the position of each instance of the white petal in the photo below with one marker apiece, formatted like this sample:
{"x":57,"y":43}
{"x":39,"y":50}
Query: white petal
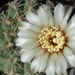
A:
{"x":30,"y":45}
{"x":71,"y":23}
{"x":68,"y":10}
{"x":51,"y":23}
{"x":67,"y":51}
{"x":22,"y":51}
{"x":71,"y":60}
{"x":20,"y":41}
{"x":33,"y":18}
{"x":71,"y":38}
{"x":70,"y":32}
{"x":58,"y":14}
{"x":71,"y":44}
{"x":27,"y":56}
{"x":40,"y":52}
{"x":39,"y":64}
{"x":26,"y":25}
{"x":69,"y":56}
{"x":50,"y":70}
{"x":49,"y":14}
{"x":63,"y":24}
{"x":61,"y":65}
{"x":53,"y":56}
{"x":73,"y":50}
{"x":47,"y":10}
{"x":27,"y":34}
{"x":35,"y":29}
{"x":43,"y":16}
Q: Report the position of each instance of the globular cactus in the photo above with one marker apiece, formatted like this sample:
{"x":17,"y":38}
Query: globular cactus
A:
{"x":10,"y":62}
{"x":10,"y":19}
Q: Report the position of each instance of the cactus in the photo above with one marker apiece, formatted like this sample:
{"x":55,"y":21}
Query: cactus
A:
{"x":10,"y":62}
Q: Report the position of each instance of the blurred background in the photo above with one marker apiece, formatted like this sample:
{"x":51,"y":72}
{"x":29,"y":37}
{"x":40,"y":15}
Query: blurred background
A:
{"x":68,"y":2}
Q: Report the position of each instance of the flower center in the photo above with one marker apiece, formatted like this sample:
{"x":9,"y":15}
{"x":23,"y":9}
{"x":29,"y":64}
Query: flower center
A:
{"x":51,"y":39}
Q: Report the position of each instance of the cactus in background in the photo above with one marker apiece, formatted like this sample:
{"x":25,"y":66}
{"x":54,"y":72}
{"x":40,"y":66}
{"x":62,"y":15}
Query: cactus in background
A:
{"x":10,"y":62}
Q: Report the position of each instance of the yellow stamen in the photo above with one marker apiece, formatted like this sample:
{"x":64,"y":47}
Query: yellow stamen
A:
{"x":51,"y":39}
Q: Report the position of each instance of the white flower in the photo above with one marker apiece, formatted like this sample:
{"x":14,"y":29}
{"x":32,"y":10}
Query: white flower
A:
{"x":48,"y":37}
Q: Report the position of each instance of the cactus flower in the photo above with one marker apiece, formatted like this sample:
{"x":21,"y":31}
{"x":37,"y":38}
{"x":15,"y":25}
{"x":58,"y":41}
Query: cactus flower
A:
{"x":48,"y":39}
